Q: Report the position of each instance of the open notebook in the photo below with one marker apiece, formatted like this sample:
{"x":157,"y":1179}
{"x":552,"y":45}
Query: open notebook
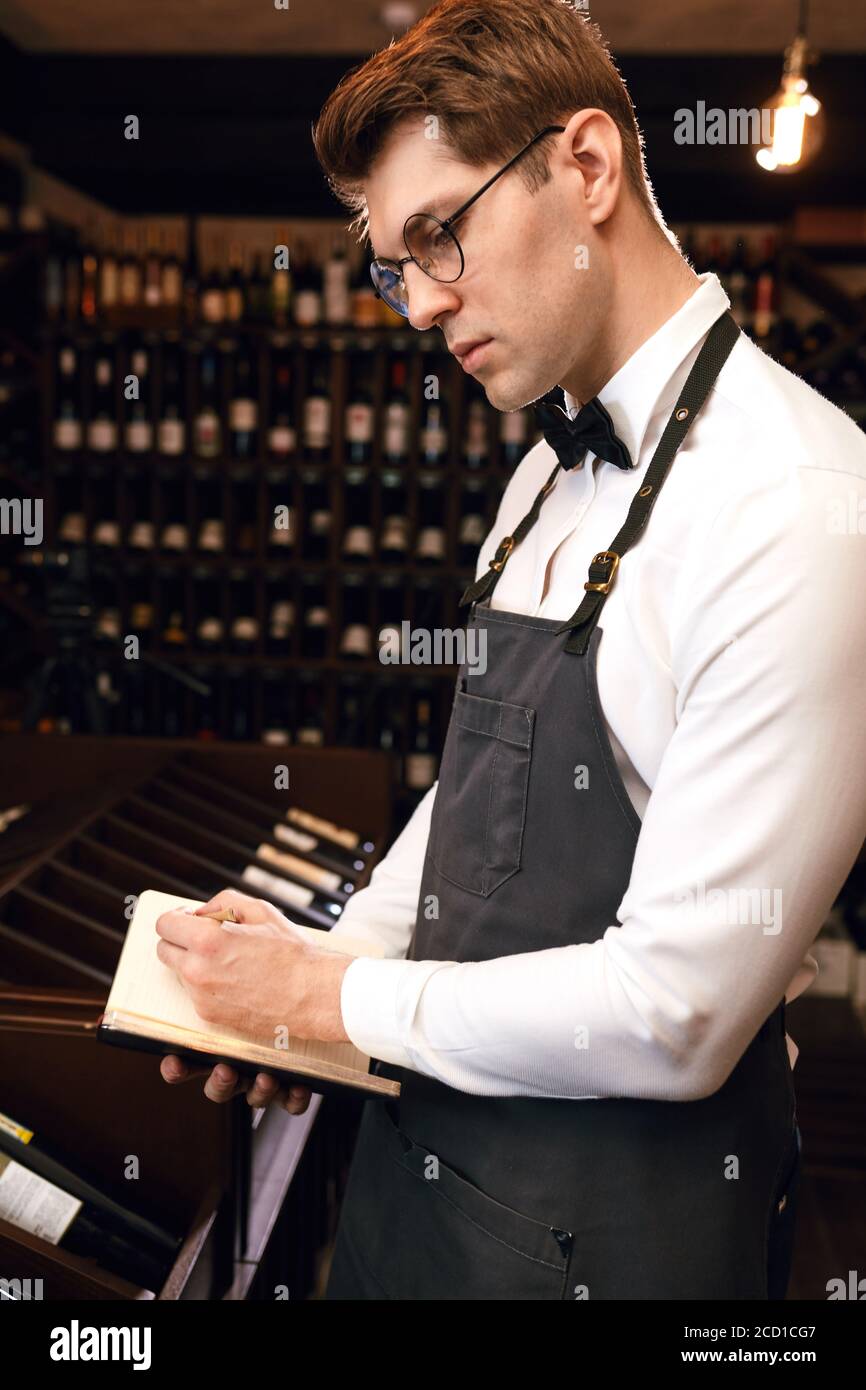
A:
{"x":149,"y":1009}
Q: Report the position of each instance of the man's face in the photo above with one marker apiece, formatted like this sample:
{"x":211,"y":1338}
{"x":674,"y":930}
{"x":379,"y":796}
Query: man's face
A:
{"x":520,"y":288}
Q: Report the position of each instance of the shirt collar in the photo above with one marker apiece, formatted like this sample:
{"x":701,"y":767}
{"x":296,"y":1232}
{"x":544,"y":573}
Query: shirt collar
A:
{"x":633,"y":393}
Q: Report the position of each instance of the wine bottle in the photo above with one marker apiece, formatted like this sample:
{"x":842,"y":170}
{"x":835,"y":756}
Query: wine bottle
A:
{"x":152,"y":270}
{"x":472,"y":527}
{"x":265,"y":839}
{"x":171,"y":430}
{"x":317,"y":415}
{"x":360,"y":417}
{"x":102,"y":427}
{"x":108,"y":281}
{"x":431,"y":543}
{"x":475,"y":441}
{"x":191,"y":299}
{"x":310,"y":729}
{"x":282,"y":436}
{"x":309,"y":841}
{"x":420,"y":767}
{"x":512,"y":437}
{"x":207,"y":427}
{"x":364,"y":301}
{"x":356,"y":639}
{"x":243,"y":407}
{"x":171,"y":279}
{"x":358,"y":533}
{"x":130,"y":272}
{"x":259,"y":291}
{"x":67,"y":432}
{"x":212,"y":299}
{"x":396,"y":441}
{"x":314,"y":634}
{"x":234,"y":294}
{"x":394,"y":540}
{"x":317,"y":516}
{"x":434,"y":435}
{"x":337,"y":299}
{"x":307,"y":297}
{"x":89,"y":278}
{"x":765,"y":305}
{"x":138,"y":435}
{"x":51,"y":1196}
{"x":740,"y":285}
{"x":281,"y":284}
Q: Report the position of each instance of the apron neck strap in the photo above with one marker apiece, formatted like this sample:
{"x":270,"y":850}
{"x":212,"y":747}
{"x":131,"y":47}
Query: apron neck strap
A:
{"x":708,"y":363}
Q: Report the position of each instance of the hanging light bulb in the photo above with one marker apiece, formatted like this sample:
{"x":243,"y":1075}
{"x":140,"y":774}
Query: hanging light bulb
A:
{"x":798,"y":117}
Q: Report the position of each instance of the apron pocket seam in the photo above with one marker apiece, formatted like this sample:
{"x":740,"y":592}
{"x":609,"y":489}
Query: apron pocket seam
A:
{"x":533,"y":1259}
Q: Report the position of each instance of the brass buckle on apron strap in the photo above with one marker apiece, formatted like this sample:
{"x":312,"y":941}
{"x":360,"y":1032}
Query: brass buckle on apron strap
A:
{"x":506,"y":546}
{"x":604,"y":557}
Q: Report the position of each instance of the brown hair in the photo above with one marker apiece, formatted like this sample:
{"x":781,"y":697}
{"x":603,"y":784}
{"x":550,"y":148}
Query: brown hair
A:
{"x":494,"y":72}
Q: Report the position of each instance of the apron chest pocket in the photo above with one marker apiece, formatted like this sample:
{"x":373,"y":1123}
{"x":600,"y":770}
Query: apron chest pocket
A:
{"x":476,"y":833}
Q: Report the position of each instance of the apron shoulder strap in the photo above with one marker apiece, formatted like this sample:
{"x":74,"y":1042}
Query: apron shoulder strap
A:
{"x":708,"y":363}
{"x":486,"y":583}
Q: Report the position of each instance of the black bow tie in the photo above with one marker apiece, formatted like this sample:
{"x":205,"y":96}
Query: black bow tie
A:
{"x":592,"y":428}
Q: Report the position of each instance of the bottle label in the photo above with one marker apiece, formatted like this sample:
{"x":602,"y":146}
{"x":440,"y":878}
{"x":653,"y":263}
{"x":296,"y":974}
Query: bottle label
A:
{"x":472,"y":529}
{"x":434,"y":440}
{"x":281,"y":439}
{"x":396,"y":428}
{"x":296,"y":838}
{"x":317,"y":421}
{"x":243,"y":413}
{"x":431,"y":542}
{"x":172,"y":284}
{"x":207,"y":433}
{"x":320,"y":522}
{"x":212,"y":306}
{"x":338,"y":304}
{"x":356,"y":640}
{"x":67,"y":434}
{"x":420,"y":770}
{"x":33,"y":1204}
{"x":282,"y":888}
{"x":359,"y":423}
{"x":109,"y":285}
{"x":512,"y":429}
{"x":139,"y":436}
{"x":308,"y":308}
{"x":301,"y":868}
{"x":395,"y":532}
{"x":102,"y":435}
{"x":234,"y":304}
{"x":172,"y":436}
{"x":358,"y":540}
{"x":348,"y":838}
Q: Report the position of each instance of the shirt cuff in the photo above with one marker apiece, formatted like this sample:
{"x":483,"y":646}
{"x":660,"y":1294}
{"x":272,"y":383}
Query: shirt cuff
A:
{"x":370,"y":997}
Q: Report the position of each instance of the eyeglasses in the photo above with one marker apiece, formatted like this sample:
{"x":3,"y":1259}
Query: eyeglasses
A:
{"x":432,"y":244}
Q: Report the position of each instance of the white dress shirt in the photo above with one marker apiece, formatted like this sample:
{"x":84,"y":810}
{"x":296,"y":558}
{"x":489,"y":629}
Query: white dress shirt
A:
{"x":732,"y":676}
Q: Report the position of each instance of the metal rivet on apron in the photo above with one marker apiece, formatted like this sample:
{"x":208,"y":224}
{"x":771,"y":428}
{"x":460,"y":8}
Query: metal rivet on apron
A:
{"x":683,"y":412}
{"x":645,"y":491}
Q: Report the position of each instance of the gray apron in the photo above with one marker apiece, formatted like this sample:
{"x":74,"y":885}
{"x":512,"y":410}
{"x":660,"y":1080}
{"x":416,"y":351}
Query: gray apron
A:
{"x":460,"y":1196}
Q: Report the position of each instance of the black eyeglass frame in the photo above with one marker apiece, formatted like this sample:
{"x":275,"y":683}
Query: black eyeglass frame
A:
{"x":449,"y":222}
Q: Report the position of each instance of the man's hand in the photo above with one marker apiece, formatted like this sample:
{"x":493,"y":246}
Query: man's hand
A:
{"x":224,"y":1083}
{"x":265,"y":988}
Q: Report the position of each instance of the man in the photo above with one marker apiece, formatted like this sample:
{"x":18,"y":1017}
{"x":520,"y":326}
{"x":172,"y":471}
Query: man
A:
{"x":594,"y":919}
